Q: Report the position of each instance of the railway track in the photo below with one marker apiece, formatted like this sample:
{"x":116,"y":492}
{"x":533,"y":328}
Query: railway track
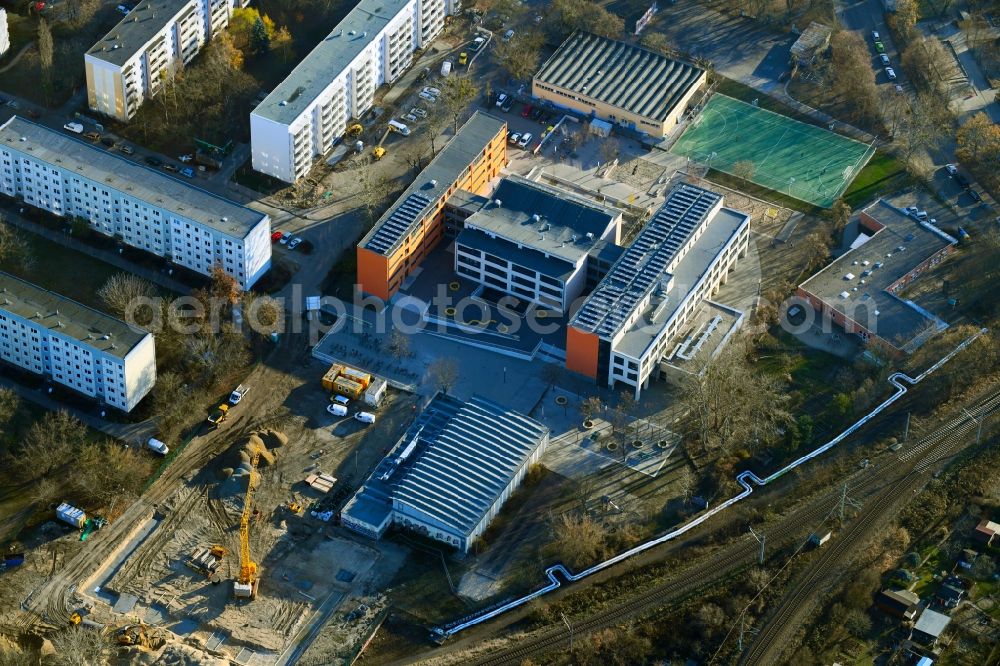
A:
{"x":767,"y":646}
{"x":864,"y":484}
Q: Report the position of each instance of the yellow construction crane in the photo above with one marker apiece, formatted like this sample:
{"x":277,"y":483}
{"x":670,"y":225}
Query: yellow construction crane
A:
{"x":246,"y":585}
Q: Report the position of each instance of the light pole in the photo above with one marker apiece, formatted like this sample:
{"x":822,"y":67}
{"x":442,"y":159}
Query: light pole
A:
{"x":979,"y":423}
{"x":570,"y":628}
{"x":791,"y":181}
{"x":762,"y":539}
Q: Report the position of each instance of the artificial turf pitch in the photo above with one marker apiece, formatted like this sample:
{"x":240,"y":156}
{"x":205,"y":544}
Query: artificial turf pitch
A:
{"x":806,"y":162}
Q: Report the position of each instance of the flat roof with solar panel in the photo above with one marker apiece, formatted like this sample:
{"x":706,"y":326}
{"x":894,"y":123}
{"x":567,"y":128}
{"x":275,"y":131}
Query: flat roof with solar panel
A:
{"x":422,"y":195}
{"x":643,"y":266}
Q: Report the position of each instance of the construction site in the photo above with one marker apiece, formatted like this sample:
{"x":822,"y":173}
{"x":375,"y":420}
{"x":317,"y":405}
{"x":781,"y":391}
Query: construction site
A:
{"x":237,"y":559}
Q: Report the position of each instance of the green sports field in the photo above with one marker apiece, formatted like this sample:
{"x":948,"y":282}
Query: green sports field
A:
{"x":803,"y":161}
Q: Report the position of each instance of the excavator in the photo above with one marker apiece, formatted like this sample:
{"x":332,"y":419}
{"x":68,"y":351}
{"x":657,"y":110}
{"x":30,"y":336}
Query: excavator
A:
{"x":245,"y":586}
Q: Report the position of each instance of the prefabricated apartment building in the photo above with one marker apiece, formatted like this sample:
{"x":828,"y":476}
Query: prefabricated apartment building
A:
{"x":307,"y":113}
{"x":78,"y":347}
{"x":149,"y":45}
{"x":141,"y":207}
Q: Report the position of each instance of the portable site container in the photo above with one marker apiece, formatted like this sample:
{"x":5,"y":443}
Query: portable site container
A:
{"x":345,"y":386}
{"x":70,"y":514}
{"x":375,"y":393}
{"x":331,"y":376}
{"x":356,"y":375}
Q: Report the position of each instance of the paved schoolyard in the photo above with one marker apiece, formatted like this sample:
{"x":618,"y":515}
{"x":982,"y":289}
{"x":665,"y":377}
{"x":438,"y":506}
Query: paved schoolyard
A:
{"x":803,"y":161}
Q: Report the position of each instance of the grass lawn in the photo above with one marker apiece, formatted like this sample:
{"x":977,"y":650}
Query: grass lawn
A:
{"x":883,"y":173}
{"x":801,"y":160}
{"x":67,"y":272}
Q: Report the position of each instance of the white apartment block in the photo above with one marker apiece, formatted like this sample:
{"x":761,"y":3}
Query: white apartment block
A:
{"x":73,"y":345}
{"x":4,"y":32}
{"x":308,"y":112}
{"x":156,"y":39}
{"x":141,"y":207}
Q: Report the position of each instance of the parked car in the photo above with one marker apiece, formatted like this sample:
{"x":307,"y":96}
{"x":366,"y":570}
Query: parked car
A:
{"x":508,"y":105}
{"x":975,"y":195}
{"x":157,"y":446}
{"x":93,"y":136}
{"x":432,"y":91}
{"x":171,"y":167}
{"x":525,"y":140}
{"x":526,"y":111}
{"x":294,"y":243}
{"x":285,"y":237}
{"x":899,"y":88}
{"x":427,"y":96}
{"x":187,"y":172}
{"x":365,"y":417}
{"x":884,"y":58}
{"x":951,"y":169}
{"x":127,"y":149}
{"x":410,"y":118}
{"x":424,"y":73}
{"x":501,"y":99}
{"x":108,"y":141}
{"x":446,"y":68}
{"x":336,"y":410}
{"x":13,"y":104}
{"x":463,"y":58}
{"x":276,"y":236}
{"x":418,"y":112}
{"x":875,"y":35}
{"x":477,"y":43}
{"x":76,"y":128}
{"x":890,"y":73}
{"x":507,"y":36}
{"x":340,"y":400}
{"x":514,"y":138}
{"x":186,"y":158}
{"x":122,"y":9}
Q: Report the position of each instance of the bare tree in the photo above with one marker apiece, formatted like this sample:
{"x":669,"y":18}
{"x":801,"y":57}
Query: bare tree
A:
{"x":443,"y":373}
{"x":398,"y":344}
{"x":744,"y":170}
{"x":45,"y":55}
{"x":373,"y":191}
{"x":520,"y":56}
{"x":14,"y":250}
{"x":579,"y":539}
{"x":79,"y":646}
{"x":10,"y":403}
{"x":49,"y":444}
{"x":590,"y":407}
{"x":171,"y":403}
{"x":122,"y":291}
{"x":457,"y":93}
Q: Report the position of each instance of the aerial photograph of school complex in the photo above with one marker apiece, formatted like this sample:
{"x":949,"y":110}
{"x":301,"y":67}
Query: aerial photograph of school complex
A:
{"x":528,"y":332}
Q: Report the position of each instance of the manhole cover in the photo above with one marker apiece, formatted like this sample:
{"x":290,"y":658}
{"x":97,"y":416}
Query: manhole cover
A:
{"x":561,"y":400}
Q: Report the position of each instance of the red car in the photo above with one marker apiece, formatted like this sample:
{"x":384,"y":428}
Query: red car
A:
{"x":276,"y":236}
{"x":526,"y":111}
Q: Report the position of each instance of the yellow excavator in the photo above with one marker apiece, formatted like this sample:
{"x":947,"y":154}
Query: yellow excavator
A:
{"x":245,"y":586}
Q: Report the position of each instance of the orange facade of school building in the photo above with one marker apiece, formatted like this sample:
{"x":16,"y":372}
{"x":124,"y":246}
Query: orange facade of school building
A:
{"x":582,"y":350}
{"x":380,"y":274}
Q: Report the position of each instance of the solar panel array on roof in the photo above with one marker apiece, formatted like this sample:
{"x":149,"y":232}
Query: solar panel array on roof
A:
{"x":472,"y":452}
{"x":619,"y":74}
{"x":398,"y":224}
{"x":645,"y":262}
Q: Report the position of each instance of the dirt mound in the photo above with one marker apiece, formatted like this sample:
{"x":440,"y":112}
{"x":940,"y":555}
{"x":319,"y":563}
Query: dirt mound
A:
{"x":274,"y":438}
{"x":178,"y":654}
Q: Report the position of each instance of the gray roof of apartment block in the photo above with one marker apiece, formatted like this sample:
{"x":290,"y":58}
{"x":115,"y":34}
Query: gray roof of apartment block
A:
{"x":434,"y":181}
{"x":135,"y":30}
{"x":543,"y":218}
{"x":618,"y":74}
{"x":467,"y":455}
{"x":149,"y":185}
{"x":328,"y":59}
{"x":67,"y":317}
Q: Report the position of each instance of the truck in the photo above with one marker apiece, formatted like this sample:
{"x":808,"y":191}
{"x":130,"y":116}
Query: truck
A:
{"x":446,"y":68}
{"x":218,"y":415}
{"x":70,"y":514}
{"x":237,"y":395}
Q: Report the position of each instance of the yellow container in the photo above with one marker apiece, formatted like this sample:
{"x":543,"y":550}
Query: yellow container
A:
{"x":331,"y":376}
{"x":356,"y":375}
{"x":347,"y":387}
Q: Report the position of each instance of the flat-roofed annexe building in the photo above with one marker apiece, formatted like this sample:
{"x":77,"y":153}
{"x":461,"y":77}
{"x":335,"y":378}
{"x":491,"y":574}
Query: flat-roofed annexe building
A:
{"x":450,"y":473}
{"x":680,"y":258}
{"x":308,"y":112}
{"x":150,"y":44}
{"x":618,"y":82}
{"x":73,"y":345}
{"x":414,"y":224}
{"x":141,"y":207}
{"x":533,"y":242}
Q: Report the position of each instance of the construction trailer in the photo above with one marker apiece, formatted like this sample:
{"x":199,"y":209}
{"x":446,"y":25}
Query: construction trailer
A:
{"x":348,"y":387}
{"x":376,"y":392}
{"x":72,"y":515}
{"x":331,"y":376}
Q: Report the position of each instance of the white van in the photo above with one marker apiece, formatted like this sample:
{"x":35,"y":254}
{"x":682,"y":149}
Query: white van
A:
{"x":397,"y":126}
{"x":156,"y":446}
{"x":365,"y":417}
{"x":76,"y":128}
{"x":336,"y":410}
{"x":446,"y":68}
